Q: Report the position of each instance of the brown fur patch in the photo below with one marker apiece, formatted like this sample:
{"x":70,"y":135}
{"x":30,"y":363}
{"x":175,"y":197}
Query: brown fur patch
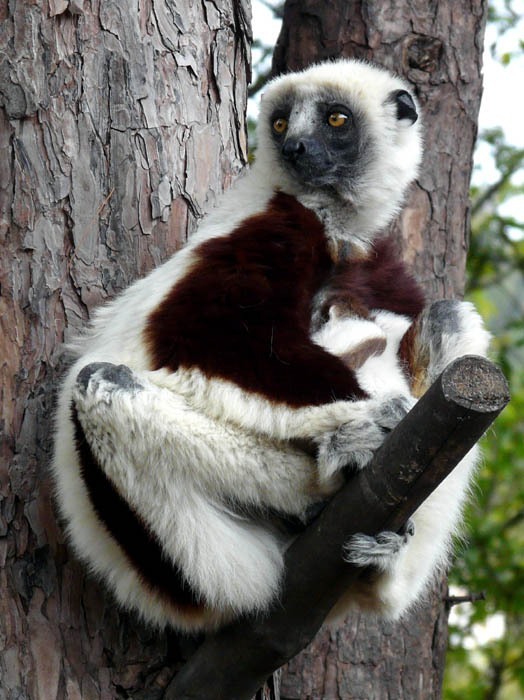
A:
{"x":350,"y":307}
{"x":413,"y":360}
{"x":243,"y":311}
{"x":357,"y":356}
{"x":378,"y":281}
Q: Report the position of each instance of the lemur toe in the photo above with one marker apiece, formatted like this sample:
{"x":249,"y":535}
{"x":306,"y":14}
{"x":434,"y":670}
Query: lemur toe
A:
{"x":392,"y":410}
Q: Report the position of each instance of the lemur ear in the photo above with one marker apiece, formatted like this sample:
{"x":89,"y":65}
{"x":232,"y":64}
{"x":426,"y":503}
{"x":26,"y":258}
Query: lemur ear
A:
{"x":405,"y":105}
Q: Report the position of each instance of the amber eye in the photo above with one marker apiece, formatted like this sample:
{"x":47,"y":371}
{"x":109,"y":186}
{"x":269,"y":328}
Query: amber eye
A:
{"x":280,"y":125}
{"x":337,"y":119}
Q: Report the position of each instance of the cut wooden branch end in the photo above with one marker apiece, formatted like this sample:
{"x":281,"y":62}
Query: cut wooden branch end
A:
{"x":475,"y":383}
{"x":415,"y":458}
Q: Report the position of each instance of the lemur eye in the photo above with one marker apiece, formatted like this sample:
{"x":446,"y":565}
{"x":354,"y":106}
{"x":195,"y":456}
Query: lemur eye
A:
{"x":337,"y":119}
{"x":280,"y":125}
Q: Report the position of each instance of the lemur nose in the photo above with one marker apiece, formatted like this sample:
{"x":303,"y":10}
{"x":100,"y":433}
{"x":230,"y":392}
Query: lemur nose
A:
{"x":293,"y":148}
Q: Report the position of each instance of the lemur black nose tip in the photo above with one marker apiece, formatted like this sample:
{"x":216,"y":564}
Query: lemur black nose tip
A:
{"x":293,"y":148}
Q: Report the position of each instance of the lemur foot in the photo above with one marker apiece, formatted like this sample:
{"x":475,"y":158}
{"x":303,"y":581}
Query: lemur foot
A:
{"x":103,"y":378}
{"x":379,"y":551}
{"x":104,"y":402}
{"x":354,"y":443}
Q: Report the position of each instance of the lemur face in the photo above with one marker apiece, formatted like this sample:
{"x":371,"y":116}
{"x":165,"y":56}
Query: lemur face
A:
{"x":347,"y":129}
{"x":321,"y":139}
{"x":324,"y":139}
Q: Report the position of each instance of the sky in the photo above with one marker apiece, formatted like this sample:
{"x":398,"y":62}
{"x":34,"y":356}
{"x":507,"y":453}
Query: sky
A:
{"x":503,"y":106}
{"x":502,"y":103}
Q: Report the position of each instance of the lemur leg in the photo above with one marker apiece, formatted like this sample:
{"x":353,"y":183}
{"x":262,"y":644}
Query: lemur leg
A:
{"x":445,"y":331}
{"x":402,"y":577}
{"x":179,"y":471}
{"x":155,"y":425}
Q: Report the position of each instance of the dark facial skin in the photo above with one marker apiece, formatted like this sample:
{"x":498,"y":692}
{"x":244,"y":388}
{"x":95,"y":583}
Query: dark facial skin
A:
{"x":325,"y":144}
{"x":330,"y":153}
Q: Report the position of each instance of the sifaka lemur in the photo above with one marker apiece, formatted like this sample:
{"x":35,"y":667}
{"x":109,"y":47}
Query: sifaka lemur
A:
{"x":239,"y":382}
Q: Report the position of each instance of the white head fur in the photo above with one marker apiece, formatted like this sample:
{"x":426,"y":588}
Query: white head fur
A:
{"x":387,"y":157}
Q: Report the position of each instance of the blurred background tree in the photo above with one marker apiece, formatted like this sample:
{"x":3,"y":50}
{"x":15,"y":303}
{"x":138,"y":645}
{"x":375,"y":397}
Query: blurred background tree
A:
{"x":486,"y":651}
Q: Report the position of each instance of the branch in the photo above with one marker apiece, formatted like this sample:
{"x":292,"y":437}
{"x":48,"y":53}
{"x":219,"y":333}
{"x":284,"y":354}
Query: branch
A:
{"x":421,"y":451}
{"x":512,"y":522}
{"x":452,"y":600}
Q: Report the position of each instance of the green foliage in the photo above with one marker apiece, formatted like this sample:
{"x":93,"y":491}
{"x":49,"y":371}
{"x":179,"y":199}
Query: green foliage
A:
{"x":497,"y":243}
{"x":493,"y":668}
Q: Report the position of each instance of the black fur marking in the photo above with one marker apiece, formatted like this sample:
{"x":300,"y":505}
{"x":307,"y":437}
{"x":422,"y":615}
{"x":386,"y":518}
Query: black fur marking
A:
{"x":444,"y":317}
{"x":405,"y":105}
{"x":408,"y":529}
{"x":326,"y":156}
{"x":133,"y":536}
{"x":276,"y":519}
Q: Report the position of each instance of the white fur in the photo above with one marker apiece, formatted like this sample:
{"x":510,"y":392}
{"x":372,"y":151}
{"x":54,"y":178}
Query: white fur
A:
{"x":341,"y":334}
{"x":407,"y":573}
{"x":182,"y":447}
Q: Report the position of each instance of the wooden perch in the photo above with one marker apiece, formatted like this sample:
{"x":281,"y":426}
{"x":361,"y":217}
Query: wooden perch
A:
{"x":422,"y":450}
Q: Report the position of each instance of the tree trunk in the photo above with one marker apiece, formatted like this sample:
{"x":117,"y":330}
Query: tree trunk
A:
{"x":119,"y":125}
{"x":438,"y":48}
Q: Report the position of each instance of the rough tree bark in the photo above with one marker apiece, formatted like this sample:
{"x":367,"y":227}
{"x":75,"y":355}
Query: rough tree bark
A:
{"x":438,"y":48}
{"x":119,"y":123}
